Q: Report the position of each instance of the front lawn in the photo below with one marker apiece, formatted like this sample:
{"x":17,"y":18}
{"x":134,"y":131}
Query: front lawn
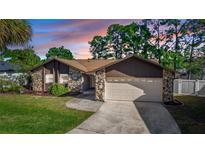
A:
{"x":191,"y":116}
{"x":29,"y":114}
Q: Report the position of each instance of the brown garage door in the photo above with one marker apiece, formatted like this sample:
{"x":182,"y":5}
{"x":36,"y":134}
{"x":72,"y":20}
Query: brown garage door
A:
{"x":139,"y":89}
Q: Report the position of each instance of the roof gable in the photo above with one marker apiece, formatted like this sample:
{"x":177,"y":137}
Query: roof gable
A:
{"x":137,"y":57}
{"x":92,"y":65}
{"x":84,"y":65}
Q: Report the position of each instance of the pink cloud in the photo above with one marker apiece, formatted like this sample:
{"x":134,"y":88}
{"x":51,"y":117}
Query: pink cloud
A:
{"x":73,"y":33}
{"x":71,"y":23}
{"x":71,"y":38}
{"x":82,"y":53}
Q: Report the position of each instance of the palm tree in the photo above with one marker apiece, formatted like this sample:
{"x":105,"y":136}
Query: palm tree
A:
{"x":14,"y":32}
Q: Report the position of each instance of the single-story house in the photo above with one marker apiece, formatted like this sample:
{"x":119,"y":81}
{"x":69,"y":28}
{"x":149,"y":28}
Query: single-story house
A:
{"x":131,"y":78}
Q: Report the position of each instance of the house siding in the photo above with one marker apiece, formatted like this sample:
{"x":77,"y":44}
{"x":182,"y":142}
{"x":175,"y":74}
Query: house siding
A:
{"x":134,"y":68}
{"x":49,"y":67}
{"x":56,"y":68}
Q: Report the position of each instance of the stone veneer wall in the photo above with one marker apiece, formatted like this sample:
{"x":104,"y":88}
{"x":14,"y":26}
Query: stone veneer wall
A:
{"x":168,"y":80}
{"x":75,"y":80}
{"x":100,"y":85}
{"x":37,"y":80}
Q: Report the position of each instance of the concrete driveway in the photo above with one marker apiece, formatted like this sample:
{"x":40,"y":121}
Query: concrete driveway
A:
{"x":157,"y":119}
{"x":123,"y":117}
{"x":85,"y":102}
{"x":115,"y":117}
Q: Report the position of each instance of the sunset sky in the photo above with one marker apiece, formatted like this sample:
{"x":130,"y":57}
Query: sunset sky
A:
{"x":72,"y":34}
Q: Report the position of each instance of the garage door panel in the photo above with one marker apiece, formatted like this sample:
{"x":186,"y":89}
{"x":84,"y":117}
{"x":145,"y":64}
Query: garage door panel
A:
{"x":140,"y":89}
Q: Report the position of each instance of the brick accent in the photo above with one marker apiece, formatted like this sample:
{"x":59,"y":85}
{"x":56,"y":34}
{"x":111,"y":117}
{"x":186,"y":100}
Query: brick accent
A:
{"x":100,"y":85}
{"x":168,"y":80}
{"x":75,"y":80}
{"x":37,"y":80}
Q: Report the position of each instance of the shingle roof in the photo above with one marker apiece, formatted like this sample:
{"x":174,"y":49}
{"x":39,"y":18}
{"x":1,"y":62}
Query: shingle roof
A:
{"x":5,"y":66}
{"x":91,"y":65}
{"x":87,"y":65}
{"x":73,"y":63}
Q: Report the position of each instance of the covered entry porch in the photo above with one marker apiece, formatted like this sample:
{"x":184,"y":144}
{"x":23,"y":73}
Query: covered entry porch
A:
{"x":88,"y":82}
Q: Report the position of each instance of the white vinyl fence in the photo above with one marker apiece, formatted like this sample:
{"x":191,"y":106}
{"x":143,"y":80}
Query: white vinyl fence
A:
{"x":189,"y":87}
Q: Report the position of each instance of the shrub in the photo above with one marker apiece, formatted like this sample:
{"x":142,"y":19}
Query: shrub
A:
{"x":19,"y":78}
{"x":57,"y":89}
{"x":9,"y":86}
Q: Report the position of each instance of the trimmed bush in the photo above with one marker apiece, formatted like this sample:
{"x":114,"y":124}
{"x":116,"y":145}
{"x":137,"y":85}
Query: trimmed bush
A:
{"x":57,"y":89}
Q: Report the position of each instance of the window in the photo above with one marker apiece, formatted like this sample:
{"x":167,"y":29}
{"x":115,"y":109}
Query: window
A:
{"x":49,"y":78}
{"x":64,"y":78}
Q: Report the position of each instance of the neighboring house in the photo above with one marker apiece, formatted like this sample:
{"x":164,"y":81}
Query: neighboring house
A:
{"x":13,"y":73}
{"x":131,"y":78}
{"x":7,"y":68}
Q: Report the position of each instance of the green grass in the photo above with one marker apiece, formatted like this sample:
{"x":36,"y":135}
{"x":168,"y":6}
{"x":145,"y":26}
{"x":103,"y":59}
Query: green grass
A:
{"x":191,"y":116}
{"x":29,"y":114}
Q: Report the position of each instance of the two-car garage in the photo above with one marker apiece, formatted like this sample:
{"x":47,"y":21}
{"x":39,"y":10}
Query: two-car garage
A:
{"x":134,"y":79}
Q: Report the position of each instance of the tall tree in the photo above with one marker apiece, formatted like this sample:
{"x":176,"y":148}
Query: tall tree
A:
{"x":99,"y":47}
{"x":14,"y":32}
{"x":137,"y":36}
{"x":158,"y":39}
{"x":195,"y":41}
{"x":60,"y":52}
{"x":176,"y":44}
{"x":144,"y":36}
{"x":121,"y":41}
{"x":26,"y":58}
{"x":115,"y":39}
{"x":175,"y":36}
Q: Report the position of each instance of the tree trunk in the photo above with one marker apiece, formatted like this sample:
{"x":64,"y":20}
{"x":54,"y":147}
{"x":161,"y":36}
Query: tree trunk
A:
{"x":191,"y":57}
{"x":201,"y":76}
{"x":176,"y":47}
{"x":158,"y":42}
